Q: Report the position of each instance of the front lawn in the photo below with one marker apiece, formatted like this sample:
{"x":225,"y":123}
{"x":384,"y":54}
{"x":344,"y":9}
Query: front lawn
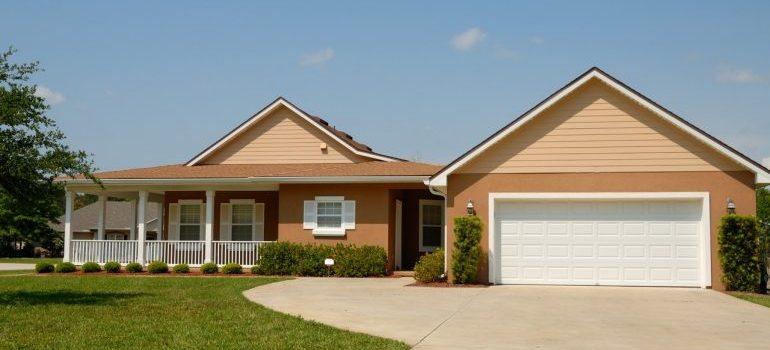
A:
{"x":123,"y":312}
{"x":28,"y":260}
{"x":761,"y":299}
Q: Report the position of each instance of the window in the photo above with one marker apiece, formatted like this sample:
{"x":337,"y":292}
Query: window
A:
{"x":431,"y":225}
{"x":242,"y":222}
{"x":189,"y":222}
{"x":329,"y":214}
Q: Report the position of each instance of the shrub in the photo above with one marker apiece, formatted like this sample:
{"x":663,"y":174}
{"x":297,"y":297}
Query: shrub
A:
{"x":466,"y":252}
{"x":134,"y":267}
{"x":112,"y":267}
{"x":364,"y":261}
{"x":280,"y":258}
{"x":255,"y":269}
{"x":43,"y":267}
{"x":181,"y":268}
{"x":430,"y":267}
{"x":232,"y":269}
{"x":739,"y":253}
{"x":209,"y":268}
{"x":157,"y":267}
{"x":65,"y":267}
{"x":91,"y":267}
{"x":312,"y":258}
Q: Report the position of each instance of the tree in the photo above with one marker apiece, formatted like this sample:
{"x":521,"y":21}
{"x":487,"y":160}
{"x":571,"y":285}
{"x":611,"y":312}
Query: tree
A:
{"x":33,"y":152}
{"x":467,"y":251}
{"x":763,"y":216}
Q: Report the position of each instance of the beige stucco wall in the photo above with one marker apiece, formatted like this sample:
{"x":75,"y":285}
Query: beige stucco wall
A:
{"x":279,"y":138}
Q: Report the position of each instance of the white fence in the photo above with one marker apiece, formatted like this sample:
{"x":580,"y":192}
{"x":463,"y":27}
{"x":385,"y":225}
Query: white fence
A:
{"x":245,"y":253}
{"x":102,"y":251}
{"x":192,"y":253}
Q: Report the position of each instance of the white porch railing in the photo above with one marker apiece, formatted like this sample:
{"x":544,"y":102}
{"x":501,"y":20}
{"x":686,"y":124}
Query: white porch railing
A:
{"x":102,"y":251}
{"x":192,"y":253}
{"x":245,"y":253}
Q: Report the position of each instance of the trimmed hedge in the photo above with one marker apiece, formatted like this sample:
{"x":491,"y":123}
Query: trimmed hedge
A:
{"x":157,"y":267}
{"x":739,"y":253}
{"x":90,"y":267}
{"x":232,"y":269}
{"x":285,"y":258}
{"x":209,"y":268}
{"x":43,"y":267}
{"x":181,"y":268}
{"x":467,"y":251}
{"x":134,"y":267}
{"x":112,"y":267}
{"x":65,"y":267}
{"x":430,"y":267}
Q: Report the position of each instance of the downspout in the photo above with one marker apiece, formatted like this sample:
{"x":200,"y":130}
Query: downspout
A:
{"x":437,"y":192}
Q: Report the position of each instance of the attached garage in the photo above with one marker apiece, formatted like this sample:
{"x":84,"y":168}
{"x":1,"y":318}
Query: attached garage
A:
{"x":621,"y":239}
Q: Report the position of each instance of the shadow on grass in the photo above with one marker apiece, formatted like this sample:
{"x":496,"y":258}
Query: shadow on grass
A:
{"x":63,"y":297}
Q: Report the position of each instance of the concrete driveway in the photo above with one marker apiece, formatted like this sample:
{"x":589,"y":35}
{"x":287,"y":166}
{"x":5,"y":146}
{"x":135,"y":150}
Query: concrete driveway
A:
{"x":15,"y":266}
{"x":524,"y":317}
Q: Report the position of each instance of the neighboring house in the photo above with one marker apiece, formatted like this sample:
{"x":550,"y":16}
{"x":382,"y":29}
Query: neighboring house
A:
{"x":596,"y":185}
{"x":119,"y":223}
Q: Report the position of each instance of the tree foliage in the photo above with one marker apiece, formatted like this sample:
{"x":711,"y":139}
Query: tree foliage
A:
{"x":739,"y":253}
{"x":33,"y":152}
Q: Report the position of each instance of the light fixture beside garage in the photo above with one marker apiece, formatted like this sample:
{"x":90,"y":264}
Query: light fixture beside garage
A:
{"x":471,"y":210}
{"x":730,"y":206}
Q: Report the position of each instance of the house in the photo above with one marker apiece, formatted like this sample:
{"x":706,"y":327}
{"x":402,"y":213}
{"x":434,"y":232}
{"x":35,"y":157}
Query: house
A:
{"x":595,"y":185}
{"x":119,"y":224}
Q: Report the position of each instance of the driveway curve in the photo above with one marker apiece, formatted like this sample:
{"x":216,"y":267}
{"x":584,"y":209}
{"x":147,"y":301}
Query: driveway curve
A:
{"x":524,"y":317}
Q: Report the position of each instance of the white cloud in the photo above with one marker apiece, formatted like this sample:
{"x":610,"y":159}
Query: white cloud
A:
{"x":537,"y":40}
{"x":317,"y":58}
{"x":505,"y":53}
{"x":766,"y":162}
{"x":468,"y":39}
{"x":738,"y":76}
{"x":50,"y":96}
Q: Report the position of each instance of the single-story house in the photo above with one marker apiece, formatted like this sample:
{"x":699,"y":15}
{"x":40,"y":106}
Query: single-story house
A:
{"x":595,"y":185}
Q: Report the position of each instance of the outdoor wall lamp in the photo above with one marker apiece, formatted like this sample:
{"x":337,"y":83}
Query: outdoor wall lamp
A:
{"x":730,"y":206}
{"x":470,"y":208}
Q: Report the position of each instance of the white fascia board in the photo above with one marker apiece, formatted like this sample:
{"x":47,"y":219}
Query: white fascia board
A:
{"x":266,"y":111}
{"x":763,"y":176}
{"x":249,"y":180}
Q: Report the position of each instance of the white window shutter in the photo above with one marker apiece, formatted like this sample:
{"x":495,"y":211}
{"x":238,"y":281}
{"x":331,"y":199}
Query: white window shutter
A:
{"x":349,"y":215}
{"x":225,"y":230}
{"x":173,"y":221}
{"x":258,"y":228}
{"x":309,"y":215}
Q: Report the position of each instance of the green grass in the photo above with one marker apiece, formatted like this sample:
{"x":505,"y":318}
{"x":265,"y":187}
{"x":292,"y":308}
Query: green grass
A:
{"x":28,"y":260}
{"x":16,"y":272}
{"x":761,"y":299}
{"x":121,"y":312}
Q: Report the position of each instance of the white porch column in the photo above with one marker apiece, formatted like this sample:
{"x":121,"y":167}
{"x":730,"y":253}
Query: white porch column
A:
{"x":68,"y":202}
{"x":209,"y":223}
{"x":101,"y":219}
{"x":132,"y":229}
{"x":142,"y":233}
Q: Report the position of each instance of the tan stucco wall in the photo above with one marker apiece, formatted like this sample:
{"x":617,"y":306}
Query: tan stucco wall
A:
{"x":736,"y":185}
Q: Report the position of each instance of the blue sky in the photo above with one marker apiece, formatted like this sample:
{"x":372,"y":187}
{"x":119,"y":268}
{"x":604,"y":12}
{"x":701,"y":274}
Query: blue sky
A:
{"x":149,"y":83}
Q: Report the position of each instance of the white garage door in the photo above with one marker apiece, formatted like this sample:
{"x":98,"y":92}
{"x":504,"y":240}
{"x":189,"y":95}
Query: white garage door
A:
{"x":595,"y":242}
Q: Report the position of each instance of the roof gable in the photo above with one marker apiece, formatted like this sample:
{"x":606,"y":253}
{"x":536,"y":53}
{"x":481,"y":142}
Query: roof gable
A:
{"x":762,"y":174}
{"x":341,"y":140}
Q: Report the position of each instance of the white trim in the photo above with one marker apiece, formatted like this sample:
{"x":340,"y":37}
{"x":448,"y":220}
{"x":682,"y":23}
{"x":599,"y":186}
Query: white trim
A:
{"x":330,"y":231}
{"x":704,"y":197}
{"x":258,"y":180}
{"x":329,"y":198}
{"x":440,"y":179}
{"x":242,"y":201}
{"x":422,"y":203}
{"x":190,"y":201}
{"x":266,"y":111}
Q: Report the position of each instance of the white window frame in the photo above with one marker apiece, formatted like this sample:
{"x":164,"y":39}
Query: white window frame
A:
{"x":201,"y":213}
{"x":431,"y":202}
{"x":330,"y":231}
{"x":253,"y":224}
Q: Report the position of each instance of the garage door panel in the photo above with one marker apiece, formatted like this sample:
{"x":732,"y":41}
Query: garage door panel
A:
{"x":653,"y":242}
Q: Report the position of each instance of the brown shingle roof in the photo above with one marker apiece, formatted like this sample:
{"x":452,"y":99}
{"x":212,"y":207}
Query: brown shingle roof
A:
{"x":180,"y":171}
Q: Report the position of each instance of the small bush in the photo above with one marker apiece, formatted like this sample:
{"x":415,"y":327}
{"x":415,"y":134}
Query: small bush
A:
{"x":43,"y":267}
{"x":134,"y":267}
{"x":739,"y":253}
{"x":284,"y":258}
{"x":280,"y":258}
{"x":311,"y":260}
{"x":157,"y":267}
{"x":112,"y":267}
{"x":255,"y":270}
{"x":364,"y":261}
{"x":181,"y":268}
{"x":430,"y":267}
{"x":65,"y":267}
{"x":467,"y":251}
{"x":90,"y":267}
{"x":232,"y":269}
{"x":209,"y":268}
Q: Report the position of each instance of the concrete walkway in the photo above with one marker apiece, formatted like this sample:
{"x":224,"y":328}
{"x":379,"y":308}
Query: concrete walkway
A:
{"x":15,"y":266}
{"x":524,"y":317}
